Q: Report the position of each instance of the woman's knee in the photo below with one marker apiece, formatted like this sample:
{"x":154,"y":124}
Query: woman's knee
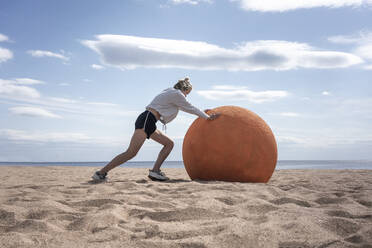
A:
{"x":170,"y":145}
{"x":131,"y":153}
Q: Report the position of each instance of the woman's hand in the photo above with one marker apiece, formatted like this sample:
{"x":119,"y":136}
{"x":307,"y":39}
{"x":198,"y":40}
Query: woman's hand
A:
{"x":213,"y":116}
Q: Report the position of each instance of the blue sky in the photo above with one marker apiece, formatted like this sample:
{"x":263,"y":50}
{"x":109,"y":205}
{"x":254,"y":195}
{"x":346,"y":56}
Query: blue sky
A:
{"x":74,"y":75}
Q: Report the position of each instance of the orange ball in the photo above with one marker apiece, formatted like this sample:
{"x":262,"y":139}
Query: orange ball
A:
{"x":238,"y":146}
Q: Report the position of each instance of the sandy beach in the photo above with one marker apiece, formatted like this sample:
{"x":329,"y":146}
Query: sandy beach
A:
{"x":62,"y":207}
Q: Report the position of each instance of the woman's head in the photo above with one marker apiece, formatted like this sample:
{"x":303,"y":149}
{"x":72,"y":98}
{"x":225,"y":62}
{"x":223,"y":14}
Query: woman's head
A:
{"x":184,"y":85}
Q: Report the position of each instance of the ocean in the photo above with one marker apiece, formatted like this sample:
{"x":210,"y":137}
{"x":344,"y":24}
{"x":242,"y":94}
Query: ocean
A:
{"x":281,"y":165}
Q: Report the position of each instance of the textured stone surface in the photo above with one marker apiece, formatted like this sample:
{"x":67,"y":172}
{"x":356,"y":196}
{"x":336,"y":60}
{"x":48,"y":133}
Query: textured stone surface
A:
{"x":238,"y":146}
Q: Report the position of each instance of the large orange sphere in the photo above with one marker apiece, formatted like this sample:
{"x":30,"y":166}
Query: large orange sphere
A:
{"x":238,"y":146}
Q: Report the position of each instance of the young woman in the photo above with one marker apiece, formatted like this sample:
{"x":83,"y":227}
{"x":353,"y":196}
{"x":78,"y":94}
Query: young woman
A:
{"x":164,"y":107}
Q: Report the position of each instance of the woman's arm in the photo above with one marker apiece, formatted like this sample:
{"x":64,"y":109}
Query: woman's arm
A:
{"x":181,"y":102}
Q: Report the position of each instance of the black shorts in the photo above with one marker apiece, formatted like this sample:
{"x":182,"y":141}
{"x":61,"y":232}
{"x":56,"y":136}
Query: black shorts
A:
{"x":147,"y":120}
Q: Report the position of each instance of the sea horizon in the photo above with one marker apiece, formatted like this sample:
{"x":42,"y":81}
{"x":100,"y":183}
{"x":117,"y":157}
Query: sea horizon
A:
{"x":281,"y":164}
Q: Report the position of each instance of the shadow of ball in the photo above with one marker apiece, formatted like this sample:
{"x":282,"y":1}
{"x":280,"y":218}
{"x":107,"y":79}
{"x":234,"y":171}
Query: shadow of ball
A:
{"x":238,"y":146}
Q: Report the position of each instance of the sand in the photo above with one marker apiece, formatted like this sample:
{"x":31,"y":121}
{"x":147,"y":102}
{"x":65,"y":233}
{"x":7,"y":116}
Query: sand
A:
{"x":61,"y":207}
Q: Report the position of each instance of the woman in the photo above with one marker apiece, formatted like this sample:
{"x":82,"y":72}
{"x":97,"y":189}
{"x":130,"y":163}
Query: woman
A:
{"x":164,"y":107}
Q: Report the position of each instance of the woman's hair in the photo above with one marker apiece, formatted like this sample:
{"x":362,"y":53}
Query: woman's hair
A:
{"x":183,"y":84}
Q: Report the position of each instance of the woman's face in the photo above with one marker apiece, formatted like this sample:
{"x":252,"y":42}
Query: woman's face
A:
{"x":186,"y":92}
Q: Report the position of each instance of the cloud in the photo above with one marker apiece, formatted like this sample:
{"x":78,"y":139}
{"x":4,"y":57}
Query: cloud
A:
{"x":316,"y":138}
{"x":27,"y":81}
{"x":368,"y":67}
{"x":192,"y":2}
{"x":287,"y":5}
{"x":21,"y":135}
{"x":61,"y":100}
{"x":103,"y":104}
{"x":97,"y":67}
{"x":12,"y":93}
{"x":130,"y":52}
{"x":228,"y":87}
{"x":3,"y":38}
{"x":326,"y":93}
{"x":33,"y":112}
{"x":10,"y":89}
{"x":33,"y":137}
{"x":5,"y":54}
{"x":362,"y":42}
{"x":40,"y":53}
{"x":288,"y":114}
{"x":243,"y":95}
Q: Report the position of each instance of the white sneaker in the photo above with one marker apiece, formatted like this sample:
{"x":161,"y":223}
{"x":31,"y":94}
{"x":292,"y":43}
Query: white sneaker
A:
{"x":99,"y":176}
{"x":160,"y":176}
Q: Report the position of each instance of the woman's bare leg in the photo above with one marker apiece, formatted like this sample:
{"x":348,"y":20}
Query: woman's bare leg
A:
{"x":168,"y":144}
{"x":136,"y":143}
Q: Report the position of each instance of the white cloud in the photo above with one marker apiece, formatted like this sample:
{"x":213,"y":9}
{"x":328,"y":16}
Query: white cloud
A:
{"x":62,"y":100}
{"x":40,"y":53}
{"x":365,"y":51}
{"x":368,"y":67}
{"x":288,"y":114}
{"x":130,"y":52}
{"x":97,"y":67}
{"x":11,"y":90}
{"x":14,"y":94}
{"x":104,"y":104}
{"x":64,"y":84}
{"x":228,"y":87}
{"x":27,"y":81}
{"x":363,"y":36}
{"x":5,"y":54}
{"x":243,"y":95}
{"x":56,"y":137}
{"x":326,"y":93}
{"x":335,"y":137}
{"x":287,"y":5}
{"x":192,"y":2}
{"x":3,"y":38}
{"x":362,"y":42}
{"x":21,"y":135}
{"x":33,"y":112}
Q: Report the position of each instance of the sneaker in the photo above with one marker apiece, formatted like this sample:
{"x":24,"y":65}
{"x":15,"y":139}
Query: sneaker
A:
{"x":99,"y":176}
{"x":157,"y":175}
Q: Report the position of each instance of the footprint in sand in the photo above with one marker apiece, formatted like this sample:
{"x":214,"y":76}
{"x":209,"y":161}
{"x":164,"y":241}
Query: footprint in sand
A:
{"x":226,"y":200}
{"x":7,"y":218}
{"x":37,"y":214}
{"x":286,"y":200}
{"x":260,"y":208}
{"x":294,"y":245}
{"x":344,"y":214}
{"x":341,"y":226}
{"x":339,"y":213}
{"x":28,"y":226}
{"x":286,"y":187}
{"x":94,"y":203}
{"x":365,"y":203}
{"x":77,"y":224}
{"x":212,"y":231}
{"x":329,"y":200}
{"x":152,"y":204}
{"x":147,"y":231}
{"x":355,"y":239}
{"x":178,"y":215}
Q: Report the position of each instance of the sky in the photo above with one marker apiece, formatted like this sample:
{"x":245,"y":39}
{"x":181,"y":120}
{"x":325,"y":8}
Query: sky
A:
{"x":74,"y":75}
